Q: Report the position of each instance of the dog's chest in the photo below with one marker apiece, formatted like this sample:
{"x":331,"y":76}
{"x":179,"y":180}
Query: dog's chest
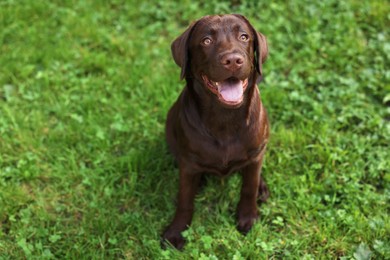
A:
{"x":224,"y":157}
{"x":230,"y":153}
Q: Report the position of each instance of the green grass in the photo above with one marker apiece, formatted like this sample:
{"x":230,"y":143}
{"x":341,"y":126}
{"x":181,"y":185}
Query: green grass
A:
{"x":84,"y":169}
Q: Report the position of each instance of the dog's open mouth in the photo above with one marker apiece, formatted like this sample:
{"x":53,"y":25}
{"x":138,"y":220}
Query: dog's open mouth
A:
{"x":230,"y":91}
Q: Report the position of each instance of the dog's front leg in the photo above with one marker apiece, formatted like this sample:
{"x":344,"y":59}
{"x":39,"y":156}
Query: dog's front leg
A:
{"x":247,"y":212}
{"x":188,"y":186}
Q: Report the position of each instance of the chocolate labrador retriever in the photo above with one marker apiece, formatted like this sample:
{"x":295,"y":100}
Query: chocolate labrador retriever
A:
{"x":218,"y":124}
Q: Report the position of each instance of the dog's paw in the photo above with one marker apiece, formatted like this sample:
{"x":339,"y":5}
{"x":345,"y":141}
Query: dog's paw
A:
{"x":263,"y":193}
{"x":246,"y":221}
{"x":173,"y":238}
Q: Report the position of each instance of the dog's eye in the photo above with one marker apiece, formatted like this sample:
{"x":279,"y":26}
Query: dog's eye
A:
{"x":207,"y":41}
{"x":244,"y":37}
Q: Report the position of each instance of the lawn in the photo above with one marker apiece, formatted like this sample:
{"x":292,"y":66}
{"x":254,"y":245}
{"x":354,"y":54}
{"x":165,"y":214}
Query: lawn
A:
{"x":84,"y":168}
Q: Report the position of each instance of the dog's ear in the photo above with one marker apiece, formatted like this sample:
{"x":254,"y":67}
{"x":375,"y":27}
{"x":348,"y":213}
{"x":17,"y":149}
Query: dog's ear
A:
{"x":260,"y":46}
{"x":261,"y":51}
{"x":179,"y":50}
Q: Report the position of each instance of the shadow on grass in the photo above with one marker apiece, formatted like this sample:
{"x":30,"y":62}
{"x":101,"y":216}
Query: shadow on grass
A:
{"x":154,"y":194}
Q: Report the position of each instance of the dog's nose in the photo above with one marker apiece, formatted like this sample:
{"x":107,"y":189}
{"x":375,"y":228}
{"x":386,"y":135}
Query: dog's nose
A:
{"x":232,"y":61}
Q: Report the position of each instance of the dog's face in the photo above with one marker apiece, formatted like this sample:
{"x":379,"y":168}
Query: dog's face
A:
{"x":221,"y":52}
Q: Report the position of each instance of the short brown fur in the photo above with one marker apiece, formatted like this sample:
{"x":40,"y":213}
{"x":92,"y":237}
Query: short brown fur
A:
{"x":208,"y":136}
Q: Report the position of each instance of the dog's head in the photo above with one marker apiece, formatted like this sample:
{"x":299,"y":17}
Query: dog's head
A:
{"x":222,"y":52}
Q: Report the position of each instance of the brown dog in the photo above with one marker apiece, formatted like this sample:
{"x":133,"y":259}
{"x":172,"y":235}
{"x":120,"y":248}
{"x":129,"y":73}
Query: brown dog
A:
{"x":218,"y":124}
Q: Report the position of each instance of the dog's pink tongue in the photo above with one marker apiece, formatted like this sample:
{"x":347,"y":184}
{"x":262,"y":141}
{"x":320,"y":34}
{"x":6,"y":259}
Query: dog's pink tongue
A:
{"x":231,"y":90}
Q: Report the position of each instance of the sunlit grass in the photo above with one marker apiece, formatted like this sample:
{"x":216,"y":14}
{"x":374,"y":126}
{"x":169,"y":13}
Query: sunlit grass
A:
{"x":84,"y":169}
